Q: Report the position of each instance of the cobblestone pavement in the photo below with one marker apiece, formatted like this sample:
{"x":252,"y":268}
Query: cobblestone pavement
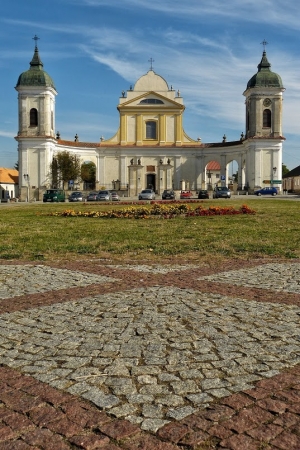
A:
{"x":96,"y":355}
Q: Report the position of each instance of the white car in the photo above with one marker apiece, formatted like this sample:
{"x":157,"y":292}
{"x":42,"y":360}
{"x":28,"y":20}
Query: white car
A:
{"x":147,"y":194}
{"x":104,"y":196}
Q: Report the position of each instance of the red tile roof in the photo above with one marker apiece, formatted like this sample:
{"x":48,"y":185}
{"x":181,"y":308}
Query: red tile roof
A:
{"x":9,"y":176}
{"x":213,"y":165}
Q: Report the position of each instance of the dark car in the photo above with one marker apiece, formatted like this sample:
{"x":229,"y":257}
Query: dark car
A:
{"x":92,"y":197}
{"x":203,"y":193}
{"x":76,"y":197}
{"x":221,"y":192}
{"x":168,"y":194}
{"x":266,"y":191}
{"x":54,"y":195}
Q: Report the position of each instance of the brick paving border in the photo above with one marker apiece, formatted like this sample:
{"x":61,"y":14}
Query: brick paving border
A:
{"x":36,"y":416}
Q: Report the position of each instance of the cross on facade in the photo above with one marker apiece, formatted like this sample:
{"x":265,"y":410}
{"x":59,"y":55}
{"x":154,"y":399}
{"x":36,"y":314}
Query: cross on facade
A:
{"x":151,"y":61}
{"x":264,"y":43}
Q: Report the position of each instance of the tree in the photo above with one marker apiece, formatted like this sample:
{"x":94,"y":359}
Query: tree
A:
{"x":65,"y":167}
{"x":54,"y":172}
{"x":88,"y":173}
{"x":235,"y":176}
{"x":285,"y":170}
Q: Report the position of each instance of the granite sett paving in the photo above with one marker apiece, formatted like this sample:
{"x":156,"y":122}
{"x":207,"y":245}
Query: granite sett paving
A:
{"x":137,"y":356}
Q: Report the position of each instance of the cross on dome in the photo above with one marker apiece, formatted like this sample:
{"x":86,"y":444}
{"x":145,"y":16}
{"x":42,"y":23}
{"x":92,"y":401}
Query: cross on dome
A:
{"x":35,"y":38}
{"x":151,"y":61}
{"x":264,"y":43}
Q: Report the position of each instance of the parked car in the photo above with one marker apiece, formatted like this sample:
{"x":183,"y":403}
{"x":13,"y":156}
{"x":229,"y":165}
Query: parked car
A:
{"x":185,"y":194}
{"x":203,"y":193}
{"x":54,"y":195}
{"x":114,"y":196}
{"x":168,"y":194}
{"x":147,"y":194}
{"x":92,"y":197}
{"x":221,"y":192}
{"x":104,"y":196}
{"x":266,"y":191}
{"x":76,"y":196}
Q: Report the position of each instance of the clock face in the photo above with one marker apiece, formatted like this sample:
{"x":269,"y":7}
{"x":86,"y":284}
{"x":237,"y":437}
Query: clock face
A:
{"x":267,"y":102}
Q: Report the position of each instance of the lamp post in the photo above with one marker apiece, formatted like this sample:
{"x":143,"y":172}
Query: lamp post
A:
{"x":209,"y":180}
{"x":274,"y":174}
{"x":26,"y":178}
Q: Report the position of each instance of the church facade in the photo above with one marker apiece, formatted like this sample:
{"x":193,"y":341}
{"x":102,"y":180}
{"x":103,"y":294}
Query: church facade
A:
{"x":151,"y":148}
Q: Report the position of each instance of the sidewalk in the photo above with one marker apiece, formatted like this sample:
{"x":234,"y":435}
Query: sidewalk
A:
{"x":149,"y":357}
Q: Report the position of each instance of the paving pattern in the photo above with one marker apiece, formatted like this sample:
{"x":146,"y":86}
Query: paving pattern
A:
{"x":162,"y":357}
{"x":278,"y":277}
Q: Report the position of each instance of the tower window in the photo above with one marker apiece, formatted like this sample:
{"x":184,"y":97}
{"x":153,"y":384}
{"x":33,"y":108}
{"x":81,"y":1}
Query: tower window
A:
{"x":267,"y":118}
{"x":33,"y":117}
{"x":151,"y":129}
{"x":248,"y":121}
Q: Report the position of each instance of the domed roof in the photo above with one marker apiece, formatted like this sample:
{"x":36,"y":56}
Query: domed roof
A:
{"x":35,"y":76}
{"x":151,"y":82}
{"x":265,"y":77}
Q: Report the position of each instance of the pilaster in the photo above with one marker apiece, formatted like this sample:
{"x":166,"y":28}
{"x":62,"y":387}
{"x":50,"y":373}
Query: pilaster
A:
{"x":139,"y":129}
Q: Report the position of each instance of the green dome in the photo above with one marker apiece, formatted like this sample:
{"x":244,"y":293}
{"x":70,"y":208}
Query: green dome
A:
{"x":265,"y":77}
{"x":35,"y":76}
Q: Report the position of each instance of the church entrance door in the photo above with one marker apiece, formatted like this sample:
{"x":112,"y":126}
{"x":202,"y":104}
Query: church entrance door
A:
{"x":151,"y":178}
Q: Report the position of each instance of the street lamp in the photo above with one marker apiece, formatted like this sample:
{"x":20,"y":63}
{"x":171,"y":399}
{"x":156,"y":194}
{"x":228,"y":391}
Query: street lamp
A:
{"x":274,"y":174}
{"x":26,"y":178}
{"x":209,"y":179}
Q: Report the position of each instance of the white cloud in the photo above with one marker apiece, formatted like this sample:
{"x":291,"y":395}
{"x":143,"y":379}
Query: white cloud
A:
{"x":268,"y":11}
{"x":7,"y":134}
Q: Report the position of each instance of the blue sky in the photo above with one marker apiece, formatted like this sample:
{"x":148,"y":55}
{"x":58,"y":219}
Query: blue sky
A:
{"x":94,"y":49}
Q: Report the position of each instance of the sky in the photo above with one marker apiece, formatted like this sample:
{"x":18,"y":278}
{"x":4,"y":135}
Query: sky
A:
{"x":95,"y":49}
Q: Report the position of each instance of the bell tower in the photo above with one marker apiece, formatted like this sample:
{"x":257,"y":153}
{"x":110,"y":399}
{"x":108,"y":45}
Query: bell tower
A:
{"x":36,"y":100}
{"x":264,"y":102}
{"x":36,"y":129}
{"x":264,"y":138}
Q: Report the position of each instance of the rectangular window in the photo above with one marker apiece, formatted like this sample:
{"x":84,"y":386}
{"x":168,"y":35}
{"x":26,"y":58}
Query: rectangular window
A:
{"x":151,"y":129}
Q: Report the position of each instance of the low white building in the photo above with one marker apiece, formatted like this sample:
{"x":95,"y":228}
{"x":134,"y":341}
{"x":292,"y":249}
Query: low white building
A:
{"x":9,"y":184}
{"x":151,"y":148}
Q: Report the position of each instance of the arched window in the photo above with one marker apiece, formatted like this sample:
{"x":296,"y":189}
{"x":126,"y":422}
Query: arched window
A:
{"x":151,"y":129}
{"x":33,"y":117}
{"x":247,"y":122}
{"x":267,"y":118}
{"x":151,"y":101}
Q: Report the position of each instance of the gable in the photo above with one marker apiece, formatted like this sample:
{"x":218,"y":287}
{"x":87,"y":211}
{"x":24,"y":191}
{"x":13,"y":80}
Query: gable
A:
{"x":151,"y":100}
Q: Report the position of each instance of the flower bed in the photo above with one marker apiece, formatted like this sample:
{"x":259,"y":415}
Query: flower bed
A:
{"x":157,"y":210}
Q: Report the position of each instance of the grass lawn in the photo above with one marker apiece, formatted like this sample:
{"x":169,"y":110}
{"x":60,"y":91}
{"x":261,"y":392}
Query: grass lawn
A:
{"x":28,"y":232}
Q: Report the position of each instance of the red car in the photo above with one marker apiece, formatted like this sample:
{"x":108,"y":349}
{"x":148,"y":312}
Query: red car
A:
{"x":185,"y":194}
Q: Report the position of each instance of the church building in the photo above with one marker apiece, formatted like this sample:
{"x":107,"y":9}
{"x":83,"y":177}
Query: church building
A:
{"x":150,"y":147}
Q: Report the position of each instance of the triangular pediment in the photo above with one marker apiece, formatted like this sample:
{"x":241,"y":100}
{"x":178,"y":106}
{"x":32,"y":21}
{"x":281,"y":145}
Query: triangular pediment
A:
{"x":151,"y":100}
